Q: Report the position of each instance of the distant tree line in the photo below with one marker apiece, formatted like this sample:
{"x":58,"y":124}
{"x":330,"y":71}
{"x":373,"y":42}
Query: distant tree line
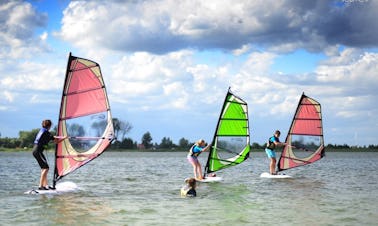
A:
{"x":255,"y":146}
{"x":121,"y":128}
{"x":146,"y":144}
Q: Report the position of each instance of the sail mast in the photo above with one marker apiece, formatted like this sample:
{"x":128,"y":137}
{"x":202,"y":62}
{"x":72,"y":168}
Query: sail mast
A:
{"x":60,"y":109}
{"x":215,"y":134}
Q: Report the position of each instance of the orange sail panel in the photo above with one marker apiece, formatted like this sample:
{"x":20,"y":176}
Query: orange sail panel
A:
{"x":85,"y":117}
{"x":305,"y":143}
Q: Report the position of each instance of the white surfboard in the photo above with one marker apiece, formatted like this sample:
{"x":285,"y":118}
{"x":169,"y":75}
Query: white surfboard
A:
{"x":268,"y":175}
{"x":210,"y":179}
{"x":62,"y":187}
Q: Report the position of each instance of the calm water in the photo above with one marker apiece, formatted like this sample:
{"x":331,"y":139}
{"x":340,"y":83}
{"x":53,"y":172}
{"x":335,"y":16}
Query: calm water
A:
{"x":143,"y":189}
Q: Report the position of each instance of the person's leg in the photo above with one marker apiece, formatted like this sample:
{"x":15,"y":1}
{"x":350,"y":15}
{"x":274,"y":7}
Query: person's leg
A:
{"x":43,"y":180}
{"x":199,"y":171}
{"x":193,"y":163}
{"x":272,"y":166}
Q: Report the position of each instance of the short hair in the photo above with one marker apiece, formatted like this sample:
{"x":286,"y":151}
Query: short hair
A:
{"x":46,"y":123}
{"x":191,"y":182}
{"x":277,"y":132}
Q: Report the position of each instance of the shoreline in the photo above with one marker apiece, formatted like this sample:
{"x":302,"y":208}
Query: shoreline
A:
{"x":184,"y":150}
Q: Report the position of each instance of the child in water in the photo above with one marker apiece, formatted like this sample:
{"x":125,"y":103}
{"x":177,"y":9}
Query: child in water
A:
{"x":189,"y":190}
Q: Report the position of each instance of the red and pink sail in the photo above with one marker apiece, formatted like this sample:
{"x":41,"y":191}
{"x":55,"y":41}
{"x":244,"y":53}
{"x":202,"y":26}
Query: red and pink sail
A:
{"x":305,"y":143}
{"x":84,"y":117}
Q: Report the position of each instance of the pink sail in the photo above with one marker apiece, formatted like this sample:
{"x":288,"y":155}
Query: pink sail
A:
{"x":305,"y":143}
{"x":84,"y":117}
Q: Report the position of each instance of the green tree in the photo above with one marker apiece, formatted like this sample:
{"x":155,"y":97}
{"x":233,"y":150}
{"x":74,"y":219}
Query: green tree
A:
{"x":7,"y":142}
{"x":127,"y":143}
{"x":27,"y":138}
{"x":146,"y":140}
{"x":121,"y":128}
{"x":255,"y":146}
{"x":183,"y":143}
{"x":166,"y":142}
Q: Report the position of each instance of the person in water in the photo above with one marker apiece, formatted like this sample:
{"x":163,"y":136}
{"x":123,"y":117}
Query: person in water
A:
{"x":40,"y":143}
{"x":272,"y":143}
{"x":189,"y":190}
{"x":194,"y":152}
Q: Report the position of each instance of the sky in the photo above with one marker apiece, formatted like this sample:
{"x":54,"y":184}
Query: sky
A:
{"x":168,"y":64}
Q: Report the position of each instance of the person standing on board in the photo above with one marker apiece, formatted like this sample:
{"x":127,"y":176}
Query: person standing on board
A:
{"x":40,"y":143}
{"x":194,"y":152}
{"x":272,"y":143}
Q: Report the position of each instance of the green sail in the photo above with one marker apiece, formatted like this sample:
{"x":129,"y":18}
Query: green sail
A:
{"x":230,"y":145}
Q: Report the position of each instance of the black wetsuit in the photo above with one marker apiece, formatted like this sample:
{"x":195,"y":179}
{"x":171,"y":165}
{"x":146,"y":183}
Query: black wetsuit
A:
{"x":42,"y":139}
{"x":191,"y":193}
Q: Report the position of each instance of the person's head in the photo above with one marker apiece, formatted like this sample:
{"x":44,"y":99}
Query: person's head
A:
{"x":277,"y":133}
{"x":201,"y":143}
{"x":46,"y":124}
{"x":191,"y":182}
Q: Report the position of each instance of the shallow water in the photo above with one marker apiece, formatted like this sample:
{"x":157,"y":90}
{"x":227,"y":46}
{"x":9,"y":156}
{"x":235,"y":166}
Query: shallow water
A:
{"x":143,"y":189}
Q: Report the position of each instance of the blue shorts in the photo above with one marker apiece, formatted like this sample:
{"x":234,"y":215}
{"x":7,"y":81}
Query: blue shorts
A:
{"x":270,"y":153}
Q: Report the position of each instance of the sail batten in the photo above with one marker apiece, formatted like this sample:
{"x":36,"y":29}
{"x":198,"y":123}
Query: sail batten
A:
{"x":83,"y":91}
{"x":232,"y":133}
{"x":84,"y":117}
{"x":305,"y":142}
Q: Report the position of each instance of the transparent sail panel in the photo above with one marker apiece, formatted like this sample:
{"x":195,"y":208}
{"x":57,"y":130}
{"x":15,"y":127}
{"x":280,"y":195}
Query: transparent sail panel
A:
{"x":84,"y":132}
{"x":305,"y":146}
{"x":229,"y":147}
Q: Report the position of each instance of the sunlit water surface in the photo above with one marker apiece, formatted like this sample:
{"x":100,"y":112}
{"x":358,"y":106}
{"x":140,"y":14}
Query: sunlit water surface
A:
{"x":143,"y":189}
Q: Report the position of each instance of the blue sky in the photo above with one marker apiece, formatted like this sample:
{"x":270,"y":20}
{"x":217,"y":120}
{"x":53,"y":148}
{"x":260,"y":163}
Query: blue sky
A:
{"x":167,"y":65}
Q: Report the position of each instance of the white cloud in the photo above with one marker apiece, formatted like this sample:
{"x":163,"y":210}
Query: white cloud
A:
{"x":33,"y":76}
{"x":8,"y":96}
{"x":167,"y":25}
{"x":28,"y":83}
{"x":354,"y":68}
{"x":242,"y":50}
{"x":18,"y":22}
{"x":172,"y":81}
{"x":43,"y":36}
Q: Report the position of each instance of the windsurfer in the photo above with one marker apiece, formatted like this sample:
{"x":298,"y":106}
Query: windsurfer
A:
{"x":199,"y":147}
{"x":40,"y":143}
{"x":272,"y":143}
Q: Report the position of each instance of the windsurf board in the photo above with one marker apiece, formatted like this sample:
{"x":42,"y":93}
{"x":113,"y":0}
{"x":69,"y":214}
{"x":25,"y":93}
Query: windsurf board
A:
{"x":62,"y":187}
{"x":210,"y":179}
{"x":268,"y":175}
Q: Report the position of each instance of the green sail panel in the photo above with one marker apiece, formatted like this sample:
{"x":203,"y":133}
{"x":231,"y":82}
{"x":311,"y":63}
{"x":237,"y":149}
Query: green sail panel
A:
{"x":231,"y":142}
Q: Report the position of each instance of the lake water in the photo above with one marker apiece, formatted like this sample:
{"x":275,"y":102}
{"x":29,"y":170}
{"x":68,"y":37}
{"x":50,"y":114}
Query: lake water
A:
{"x":144,"y":189}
